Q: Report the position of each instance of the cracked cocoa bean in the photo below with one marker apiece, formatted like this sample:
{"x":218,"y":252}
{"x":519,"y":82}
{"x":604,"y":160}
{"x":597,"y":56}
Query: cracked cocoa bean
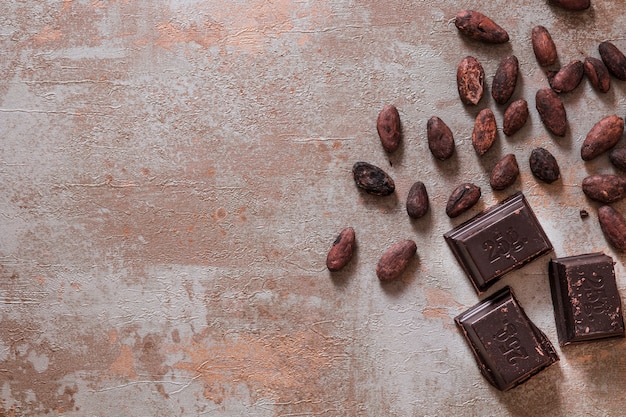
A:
{"x":617,"y":156}
{"x":543,"y":46}
{"x":605,"y":188}
{"x":597,"y":73}
{"x":470,"y":78}
{"x":551,"y":111}
{"x":613,"y":226}
{"x":504,"y":173}
{"x":568,"y":77}
{"x":440,"y":138}
{"x":342,"y":250}
{"x":614,"y":59}
{"x":464,"y":197}
{"x":372,"y":179}
{"x":505,"y":79}
{"x":485,"y":131}
{"x":395,"y":260}
{"x":603,"y":136}
{"x":575,"y":5}
{"x":477,"y":26}
{"x":417,"y":201}
{"x":389,"y":128}
{"x":543,"y":165}
{"x":515,"y":117}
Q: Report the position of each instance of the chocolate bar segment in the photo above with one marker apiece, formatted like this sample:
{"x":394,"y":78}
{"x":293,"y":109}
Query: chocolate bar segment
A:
{"x":587,"y":305}
{"x":507,"y":346}
{"x":503,"y":238}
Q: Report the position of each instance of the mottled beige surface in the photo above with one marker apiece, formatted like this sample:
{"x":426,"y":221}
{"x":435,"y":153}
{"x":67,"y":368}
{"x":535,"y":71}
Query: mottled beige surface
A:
{"x":173,"y":173}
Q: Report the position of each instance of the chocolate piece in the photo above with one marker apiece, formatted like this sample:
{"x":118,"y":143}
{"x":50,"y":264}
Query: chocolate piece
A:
{"x":503,"y":238}
{"x":507,"y":346}
{"x":586,"y":300}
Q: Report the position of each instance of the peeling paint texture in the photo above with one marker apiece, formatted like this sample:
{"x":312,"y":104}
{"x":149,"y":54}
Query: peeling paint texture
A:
{"x":173,"y":174}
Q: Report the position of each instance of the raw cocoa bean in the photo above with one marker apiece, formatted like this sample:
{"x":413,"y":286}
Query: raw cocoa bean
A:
{"x":543,"y":165}
{"x":470,"y":78}
{"x":613,"y":226}
{"x":395,"y":260}
{"x":597,"y":73}
{"x":572,"y":4}
{"x":505,"y":80}
{"x":389,"y":128}
{"x":372,"y":179}
{"x":417,"y":201}
{"x":440,"y":138}
{"x":477,"y":26}
{"x":462,"y":199}
{"x":617,"y":156}
{"x":342,"y":250}
{"x":504,"y":173}
{"x":485,"y":131}
{"x":515,"y":117}
{"x":543,"y":46}
{"x":568,"y":77}
{"x":605,"y":188}
{"x":614,"y":59}
{"x":551,"y":111}
{"x":603,"y":136}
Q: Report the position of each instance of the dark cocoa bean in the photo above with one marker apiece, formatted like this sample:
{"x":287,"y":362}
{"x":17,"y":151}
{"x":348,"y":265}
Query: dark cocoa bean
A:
{"x":613,"y":226}
{"x":603,"y":136}
{"x":470,"y":78}
{"x":605,"y":188}
{"x":505,"y":79}
{"x":464,"y":197}
{"x":342,"y":250}
{"x":543,"y":46}
{"x":551,"y":111}
{"x":614,"y":59}
{"x":597,"y":73}
{"x":477,"y":26}
{"x":395,"y":260}
{"x":575,"y":5}
{"x":389,"y":128}
{"x":417,"y":201}
{"x":568,"y":77}
{"x":485,"y":131}
{"x":543,"y":165}
{"x":617,"y":156}
{"x":504,"y":173}
{"x":372,"y":179}
{"x":440,"y":138}
{"x":515,"y":117}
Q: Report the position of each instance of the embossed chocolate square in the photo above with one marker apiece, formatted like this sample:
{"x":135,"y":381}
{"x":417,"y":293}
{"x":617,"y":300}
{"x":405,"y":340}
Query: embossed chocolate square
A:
{"x":587,"y":304}
{"x":500,"y":239}
{"x":507,"y":346}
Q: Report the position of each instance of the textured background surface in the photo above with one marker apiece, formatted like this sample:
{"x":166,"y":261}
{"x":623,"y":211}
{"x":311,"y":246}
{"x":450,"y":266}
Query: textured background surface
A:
{"x":173,"y":173}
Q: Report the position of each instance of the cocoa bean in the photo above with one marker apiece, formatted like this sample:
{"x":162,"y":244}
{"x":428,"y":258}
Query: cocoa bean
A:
{"x":613,"y":226}
{"x":617,"y":156}
{"x":603,"y":136}
{"x":551,"y":111}
{"x":470,"y":78}
{"x":372,"y":179}
{"x":464,"y":197}
{"x":477,"y":26}
{"x":440,"y":138}
{"x":485,"y":131}
{"x":605,"y":188}
{"x":543,"y":165}
{"x":597,"y":73}
{"x":504,"y":173}
{"x":568,"y":77}
{"x":342,"y":250}
{"x":395,"y":260}
{"x":575,"y":5}
{"x":515,"y":117}
{"x":417,"y":201}
{"x":505,"y":79}
{"x":614,"y":59}
{"x":543,"y":46}
{"x":389,"y":128}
